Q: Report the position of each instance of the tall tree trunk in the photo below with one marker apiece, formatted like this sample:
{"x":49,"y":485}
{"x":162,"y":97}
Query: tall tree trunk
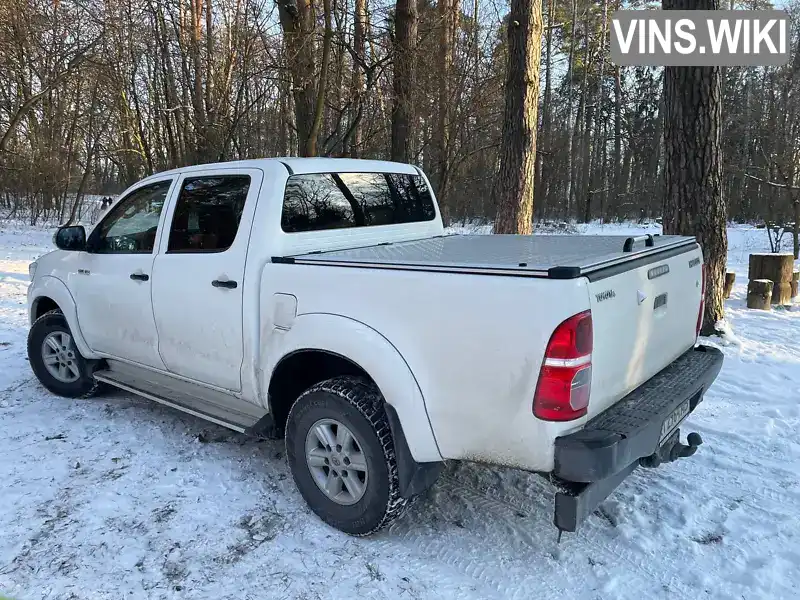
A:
{"x":201,"y":145}
{"x":381,"y":98}
{"x":336,"y":143}
{"x":588,"y":110}
{"x":91,"y":148}
{"x":286,"y":142}
{"x":570,"y":122}
{"x":693,"y":203}
{"x":604,"y":172}
{"x":512,"y":192}
{"x":297,"y":21}
{"x":586,"y":161}
{"x":654,"y":164}
{"x":598,"y":164}
{"x":577,"y":128}
{"x":319,"y":105}
{"x":447,"y":11}
{"x":748,"y":119}
{"x":210,"y":118}
{"x":617,"y":182}
{"x":625,"y":182}
{"x":405,"y":45}
{"x":357,"y":84}
{"x":545,"y":132}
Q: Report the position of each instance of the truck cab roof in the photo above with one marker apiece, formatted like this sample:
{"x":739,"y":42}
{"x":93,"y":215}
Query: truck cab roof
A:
{"x":298,"y":166}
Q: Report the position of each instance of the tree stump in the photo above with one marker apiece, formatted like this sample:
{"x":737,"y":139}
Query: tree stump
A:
{"x":795,"y":282}
{"x":730,"y":277}
{"x":759,"y":294}
{"x":775,"y":267}
{"x":782,"y":293}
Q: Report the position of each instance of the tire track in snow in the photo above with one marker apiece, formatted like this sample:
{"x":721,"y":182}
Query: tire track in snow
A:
{"x":590,"y":540}
{"x":500,"y":553}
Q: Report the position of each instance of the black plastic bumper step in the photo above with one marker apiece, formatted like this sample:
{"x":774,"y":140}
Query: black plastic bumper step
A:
{"x":592,"y":462}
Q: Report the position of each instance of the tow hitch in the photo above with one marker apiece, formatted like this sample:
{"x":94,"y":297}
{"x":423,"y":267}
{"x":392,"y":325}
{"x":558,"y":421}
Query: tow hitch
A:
{"x":641,"y":429}
{"x":575,"y":501}
{"x":672,"y":449}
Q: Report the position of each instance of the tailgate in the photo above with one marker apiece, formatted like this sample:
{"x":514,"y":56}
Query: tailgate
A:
{"x":643,"y":318}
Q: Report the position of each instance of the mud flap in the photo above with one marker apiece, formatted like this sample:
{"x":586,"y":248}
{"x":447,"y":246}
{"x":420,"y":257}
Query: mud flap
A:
{"x":414,"y":477}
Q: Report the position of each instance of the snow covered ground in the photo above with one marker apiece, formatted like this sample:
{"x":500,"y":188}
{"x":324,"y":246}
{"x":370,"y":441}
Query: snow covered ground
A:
{"x":117,"y":497}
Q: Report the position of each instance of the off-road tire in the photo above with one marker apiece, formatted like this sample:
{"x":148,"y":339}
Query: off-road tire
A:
{"x":86,"y":385}
{"x":358,"y":404}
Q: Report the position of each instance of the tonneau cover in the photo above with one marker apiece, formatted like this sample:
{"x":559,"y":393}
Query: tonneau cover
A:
{"x":555,"y":256}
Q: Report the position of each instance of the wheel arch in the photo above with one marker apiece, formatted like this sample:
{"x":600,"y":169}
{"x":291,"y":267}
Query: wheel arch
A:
{"x":42,"y":305}
{"x":299,"y":370}
{"x":348,"y":344}
{"x":50,"y":293}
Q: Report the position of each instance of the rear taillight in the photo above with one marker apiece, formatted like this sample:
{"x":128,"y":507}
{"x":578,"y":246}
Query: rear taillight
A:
{"x":702,"y":303}
{"x":562,"y":393}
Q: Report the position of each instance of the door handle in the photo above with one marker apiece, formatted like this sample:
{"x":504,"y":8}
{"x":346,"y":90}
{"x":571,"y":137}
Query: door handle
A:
{"x":230,"y":285}
{"x":140,"y":276}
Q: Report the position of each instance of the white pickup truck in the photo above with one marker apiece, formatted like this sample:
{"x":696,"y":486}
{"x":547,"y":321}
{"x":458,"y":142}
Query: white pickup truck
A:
{"x":320,"y":300}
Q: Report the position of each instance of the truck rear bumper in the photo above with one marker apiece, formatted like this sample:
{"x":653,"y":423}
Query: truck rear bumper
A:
{"x":592,"y":462}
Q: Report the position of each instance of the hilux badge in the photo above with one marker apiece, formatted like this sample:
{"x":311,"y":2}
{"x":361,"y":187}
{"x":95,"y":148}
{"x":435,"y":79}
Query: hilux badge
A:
{"x":607,"y":295}
{"x":640,"y":296}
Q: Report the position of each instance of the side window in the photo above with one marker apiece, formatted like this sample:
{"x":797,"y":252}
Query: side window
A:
{"x":316,"y":202}
{"x":130,"y":228}
{"x":207,"y":214}
{"x":319,"y":201}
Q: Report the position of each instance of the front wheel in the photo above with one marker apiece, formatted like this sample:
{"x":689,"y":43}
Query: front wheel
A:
{"x":55,"y":359}
{"x":341,"y":453}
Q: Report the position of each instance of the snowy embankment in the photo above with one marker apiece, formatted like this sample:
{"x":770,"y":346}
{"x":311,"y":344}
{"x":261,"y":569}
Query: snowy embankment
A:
{"x":117,"y":497}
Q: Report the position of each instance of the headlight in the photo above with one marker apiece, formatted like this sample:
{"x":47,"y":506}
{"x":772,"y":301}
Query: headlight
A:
{"x":32,"y":269}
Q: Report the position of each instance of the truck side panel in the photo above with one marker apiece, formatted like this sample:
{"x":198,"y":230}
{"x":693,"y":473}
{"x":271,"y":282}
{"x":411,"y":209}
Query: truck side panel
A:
{"x":473,"y":343}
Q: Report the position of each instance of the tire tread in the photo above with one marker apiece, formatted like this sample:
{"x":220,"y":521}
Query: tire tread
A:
{"x":364,"y":396}
{"x":57,"y":312}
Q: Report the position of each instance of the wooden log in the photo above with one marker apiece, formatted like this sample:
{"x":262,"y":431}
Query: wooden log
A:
{"x":775,"y":267}
{"x":759,"y":294}
{"x":782,"y":293}
{"x":730,"y":277}
{"x":795,"y":283}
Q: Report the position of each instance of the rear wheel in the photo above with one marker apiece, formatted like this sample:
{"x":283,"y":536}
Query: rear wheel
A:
{"x":341,"y":453}
{"x":55,"y":359}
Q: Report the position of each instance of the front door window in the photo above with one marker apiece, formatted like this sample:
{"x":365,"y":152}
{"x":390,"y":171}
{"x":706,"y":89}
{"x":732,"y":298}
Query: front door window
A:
{"x":130,"y":228}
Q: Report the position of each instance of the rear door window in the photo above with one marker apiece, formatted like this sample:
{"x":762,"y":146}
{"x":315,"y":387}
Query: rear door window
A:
{"x":318,"y":201}
{"x":207,"y":214}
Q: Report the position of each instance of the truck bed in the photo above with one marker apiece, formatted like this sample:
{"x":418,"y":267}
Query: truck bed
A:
{"x":548,"y":256}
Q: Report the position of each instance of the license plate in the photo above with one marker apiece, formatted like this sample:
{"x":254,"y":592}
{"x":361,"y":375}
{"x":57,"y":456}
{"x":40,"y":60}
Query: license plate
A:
{"x":674,"y":419}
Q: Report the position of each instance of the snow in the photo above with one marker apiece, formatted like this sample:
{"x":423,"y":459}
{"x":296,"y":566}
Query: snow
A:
{"x":118,"y":497}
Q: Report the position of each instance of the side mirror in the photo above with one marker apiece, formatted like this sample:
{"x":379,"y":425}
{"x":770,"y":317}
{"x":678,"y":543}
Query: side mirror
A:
{"x":72,"y":237}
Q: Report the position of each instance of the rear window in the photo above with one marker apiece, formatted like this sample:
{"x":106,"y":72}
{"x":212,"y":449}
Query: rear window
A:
{"x":319,"y":201}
